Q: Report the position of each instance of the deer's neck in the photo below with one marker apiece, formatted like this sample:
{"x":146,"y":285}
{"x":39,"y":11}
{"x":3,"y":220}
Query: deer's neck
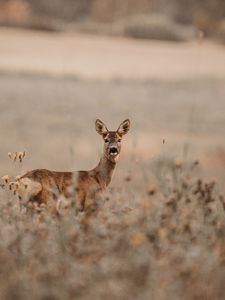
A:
{"x":104,"y":171}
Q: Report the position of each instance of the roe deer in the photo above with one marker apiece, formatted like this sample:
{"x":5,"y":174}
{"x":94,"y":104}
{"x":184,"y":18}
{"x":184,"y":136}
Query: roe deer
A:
{"x":43,"y":185}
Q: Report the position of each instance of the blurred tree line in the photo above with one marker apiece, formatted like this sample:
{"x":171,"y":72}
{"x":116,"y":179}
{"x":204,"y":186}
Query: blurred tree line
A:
{"x":203,"y":14}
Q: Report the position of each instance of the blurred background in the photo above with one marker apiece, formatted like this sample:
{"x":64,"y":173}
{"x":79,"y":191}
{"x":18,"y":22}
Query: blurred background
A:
{"x":64,"y":63}
{"x":157,"y":19}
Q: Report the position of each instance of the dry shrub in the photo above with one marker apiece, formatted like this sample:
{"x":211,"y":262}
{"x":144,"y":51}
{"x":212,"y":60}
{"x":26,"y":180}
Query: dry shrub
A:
{"x":67,"y":10}
{"x":157,"y":26}
{"x":112,"y":10}
{"x":154,"y":26}
{"x":14,"y":11}
{"x":164,"y":243}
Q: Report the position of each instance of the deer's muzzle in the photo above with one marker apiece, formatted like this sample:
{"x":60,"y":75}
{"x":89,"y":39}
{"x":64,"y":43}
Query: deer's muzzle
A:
{"x":113,"y":151}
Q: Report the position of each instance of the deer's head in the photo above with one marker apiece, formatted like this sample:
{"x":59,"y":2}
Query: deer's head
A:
{"x":112,"y":139}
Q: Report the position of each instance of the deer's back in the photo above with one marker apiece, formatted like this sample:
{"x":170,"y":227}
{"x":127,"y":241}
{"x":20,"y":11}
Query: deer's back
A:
{"x":57,"y":183}
{"x":46,"y":177}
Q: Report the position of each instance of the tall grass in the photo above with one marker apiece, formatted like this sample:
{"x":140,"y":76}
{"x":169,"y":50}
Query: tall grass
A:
{"x":153,"y":245}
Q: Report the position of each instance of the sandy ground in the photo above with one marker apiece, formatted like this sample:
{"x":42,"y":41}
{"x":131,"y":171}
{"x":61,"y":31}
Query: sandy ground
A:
{"x":54,"y":86}
{"x":105,"y":58}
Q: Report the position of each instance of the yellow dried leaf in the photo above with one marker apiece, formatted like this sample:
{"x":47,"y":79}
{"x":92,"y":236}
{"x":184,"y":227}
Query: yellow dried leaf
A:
{"x":137,"y":239}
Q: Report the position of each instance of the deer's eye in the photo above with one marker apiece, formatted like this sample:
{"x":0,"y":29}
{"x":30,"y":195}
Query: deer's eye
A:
{"x":119,"y":140}
{"x":106,"y":140}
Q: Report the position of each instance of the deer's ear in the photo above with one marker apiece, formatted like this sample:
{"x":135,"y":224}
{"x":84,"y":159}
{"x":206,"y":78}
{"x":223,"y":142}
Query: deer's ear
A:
{"x":124,"y":127}
{"x":100,"y":127}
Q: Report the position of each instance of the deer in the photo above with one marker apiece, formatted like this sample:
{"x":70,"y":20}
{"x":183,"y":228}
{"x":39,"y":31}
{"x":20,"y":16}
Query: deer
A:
{"x":43,"y":186}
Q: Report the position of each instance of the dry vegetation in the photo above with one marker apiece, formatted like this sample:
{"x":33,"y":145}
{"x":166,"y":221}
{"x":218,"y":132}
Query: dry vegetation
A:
{"x":163,"y":242}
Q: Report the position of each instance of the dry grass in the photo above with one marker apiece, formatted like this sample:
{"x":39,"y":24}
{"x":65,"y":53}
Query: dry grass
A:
{"x":162,"y":242}
{"x":158,"y":232}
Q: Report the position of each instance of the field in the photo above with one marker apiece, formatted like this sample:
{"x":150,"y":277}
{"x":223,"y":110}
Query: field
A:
{"x":159,"y":230}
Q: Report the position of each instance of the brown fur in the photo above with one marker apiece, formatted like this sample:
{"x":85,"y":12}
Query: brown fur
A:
{"x":45,"y":186}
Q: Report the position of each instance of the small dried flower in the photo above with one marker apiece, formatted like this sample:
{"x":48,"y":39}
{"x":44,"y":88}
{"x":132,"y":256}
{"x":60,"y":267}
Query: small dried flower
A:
{"x":5,"y":178}
{"x":16,"y":185}
{"x":184,"y":185}
{"x":212,"y":184}
{"x":196,"y":162}
{"x":137,"y":239}
{"x":11,"y":184}
{"x":199,"y":183}
{"x":15,"y":157}
{"x":152,"y":191}
{"x":170,"y":201}
{"x":188,"y":200}
{"x":187,"y":228}
{"x":20,"y":157}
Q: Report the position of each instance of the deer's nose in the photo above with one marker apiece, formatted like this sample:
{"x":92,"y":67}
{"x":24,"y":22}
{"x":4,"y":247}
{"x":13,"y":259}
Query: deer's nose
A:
{"x":113,"y":150}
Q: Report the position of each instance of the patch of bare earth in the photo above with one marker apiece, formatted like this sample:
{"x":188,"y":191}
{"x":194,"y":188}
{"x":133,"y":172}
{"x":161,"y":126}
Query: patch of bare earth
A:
{"x":105,"y":58}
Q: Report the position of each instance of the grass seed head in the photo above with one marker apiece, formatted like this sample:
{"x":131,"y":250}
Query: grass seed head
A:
{"x":15,"y":157}
{"x":196,"y":162}
{"x":5,"y":178}
{"x":152,"y":191}
{"x":21,"y":155}
{"x":137,"y":239}
{"x":11,"y":184}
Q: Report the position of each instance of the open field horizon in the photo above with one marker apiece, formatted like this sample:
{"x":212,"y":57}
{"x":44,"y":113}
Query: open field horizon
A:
{"x":94,"y":57}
